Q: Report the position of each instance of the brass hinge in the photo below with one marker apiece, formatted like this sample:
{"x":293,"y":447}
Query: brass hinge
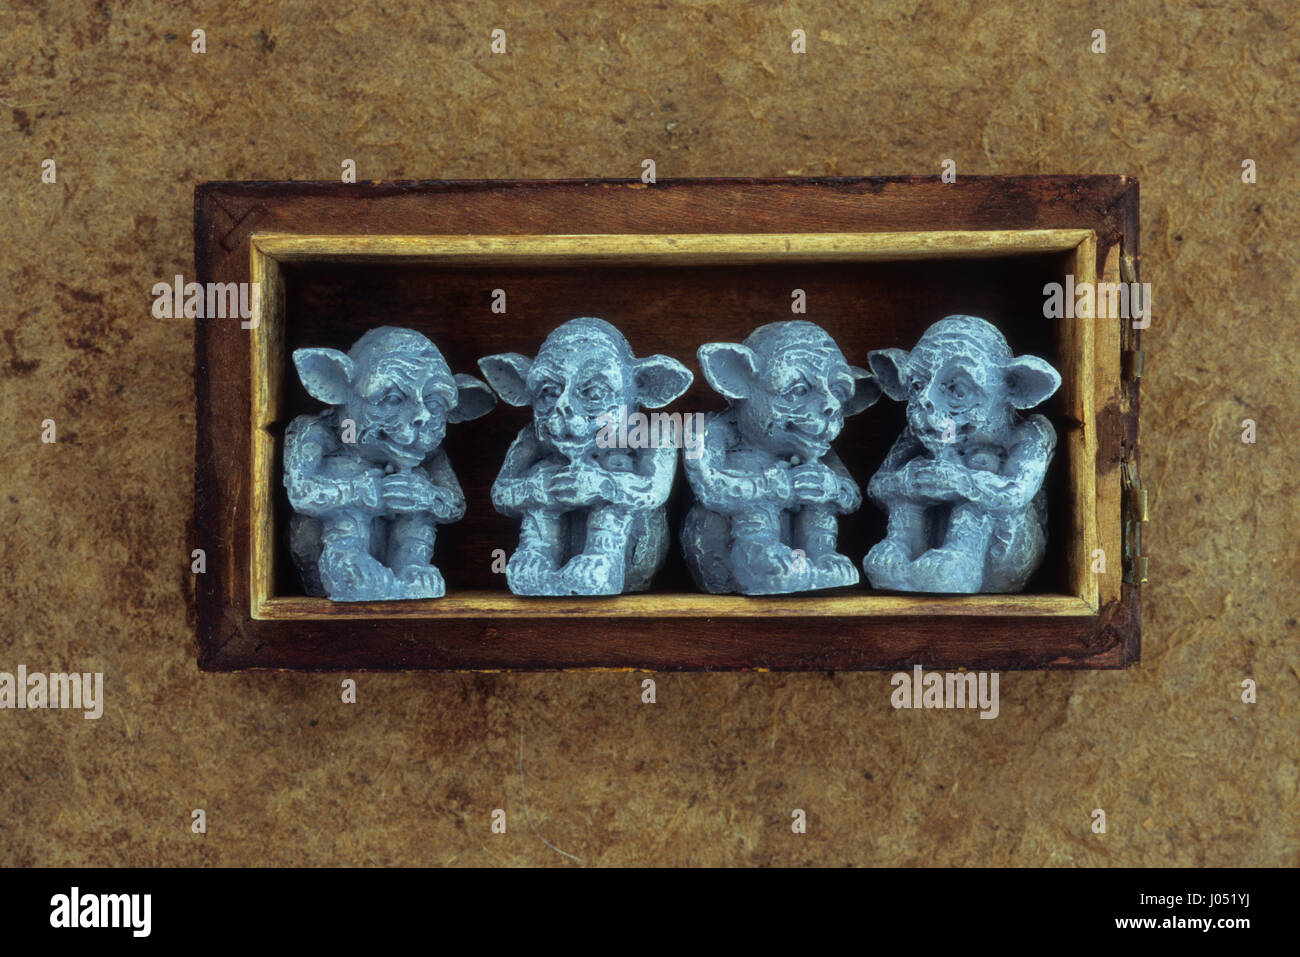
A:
{"x":1136,"y":514}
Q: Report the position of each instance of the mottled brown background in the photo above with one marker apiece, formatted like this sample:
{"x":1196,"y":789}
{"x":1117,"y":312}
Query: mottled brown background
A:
{"x":94,"y":551}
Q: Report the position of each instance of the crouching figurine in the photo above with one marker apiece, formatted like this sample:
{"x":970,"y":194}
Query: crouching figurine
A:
{"x":963,"y":484}
{"x":768,"y":487}
{"x":366,"y":478}
{"x":593,"y":514}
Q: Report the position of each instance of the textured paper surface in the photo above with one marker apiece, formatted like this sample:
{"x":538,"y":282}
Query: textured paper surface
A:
{"x":94,"y":556}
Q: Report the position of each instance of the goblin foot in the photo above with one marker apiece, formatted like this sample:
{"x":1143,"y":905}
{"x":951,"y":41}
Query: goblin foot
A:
{"x":421,"y":581}
{"x":833,"y":571}
{"x":887,"y":566}
{"x":771,"y":569}
{"x":593,"y":574}
{"x":531,"y":571}
{"x":946,"y":570}
{"x":349,"y":577}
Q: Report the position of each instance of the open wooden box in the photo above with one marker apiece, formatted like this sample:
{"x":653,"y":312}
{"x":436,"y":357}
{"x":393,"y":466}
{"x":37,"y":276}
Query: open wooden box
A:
{"x":673,"y":265}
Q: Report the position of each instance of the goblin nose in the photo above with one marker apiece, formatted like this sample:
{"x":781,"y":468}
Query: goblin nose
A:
{"x":557,"y":423}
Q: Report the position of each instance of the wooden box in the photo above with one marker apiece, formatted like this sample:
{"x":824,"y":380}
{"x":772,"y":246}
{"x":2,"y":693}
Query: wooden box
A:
{"x":673,"y":264}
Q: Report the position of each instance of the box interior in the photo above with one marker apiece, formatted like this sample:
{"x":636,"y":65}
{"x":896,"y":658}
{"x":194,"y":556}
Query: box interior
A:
{"x":671,"y":309}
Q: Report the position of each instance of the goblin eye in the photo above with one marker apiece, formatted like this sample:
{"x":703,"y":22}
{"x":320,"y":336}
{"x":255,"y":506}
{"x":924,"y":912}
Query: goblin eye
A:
{"x":550,"y":391}
{"x":593,"y":393}
{"x":391,"y":399}
{"x":915,"y":387}
{"x":797,"y":391}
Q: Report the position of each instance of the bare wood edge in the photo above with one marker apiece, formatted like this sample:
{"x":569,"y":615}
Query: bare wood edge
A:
{"x":1084,"y":462}
{"x":491,"y":604}
{"x":266,"y":354}
{"x":1108,"y":388}
{"x":269,"y":250}
{"x":668,"y":249}
{"x":1130,"y":408}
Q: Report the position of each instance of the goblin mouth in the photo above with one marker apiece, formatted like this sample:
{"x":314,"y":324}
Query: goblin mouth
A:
{"x":811,"y":437}
{"x":924,"y":430}
{"x":567,"y":444}
{"x":567,"y":440}
{"x":411,"y":453}
{"x":807,"y":429}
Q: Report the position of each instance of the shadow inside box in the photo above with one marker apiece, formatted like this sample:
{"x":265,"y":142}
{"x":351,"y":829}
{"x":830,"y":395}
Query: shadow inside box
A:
{"x":863,"y":305}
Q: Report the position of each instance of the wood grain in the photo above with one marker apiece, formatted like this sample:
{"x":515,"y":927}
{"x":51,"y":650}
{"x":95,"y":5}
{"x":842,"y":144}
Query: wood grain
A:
{"x":477,"y":604}
{"x":613,"y":263}
{"x":679,"y":249}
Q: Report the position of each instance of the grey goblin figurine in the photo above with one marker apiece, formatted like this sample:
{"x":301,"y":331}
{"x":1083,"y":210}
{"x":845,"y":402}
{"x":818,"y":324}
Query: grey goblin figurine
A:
{"x":593,"y":513}
{"x":963,"y":483}
{"x":366,"y":478}
{"x":768,"y":487}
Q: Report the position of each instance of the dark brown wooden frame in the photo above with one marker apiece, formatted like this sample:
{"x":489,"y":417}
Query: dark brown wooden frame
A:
{"x":936,"y":632}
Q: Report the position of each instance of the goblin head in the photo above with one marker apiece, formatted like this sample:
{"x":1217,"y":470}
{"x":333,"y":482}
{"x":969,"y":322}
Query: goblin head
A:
{"x":584,"y":372}
{"x":396,"y":386}
{"x":790,"y":386}
{"x":962,"y":381}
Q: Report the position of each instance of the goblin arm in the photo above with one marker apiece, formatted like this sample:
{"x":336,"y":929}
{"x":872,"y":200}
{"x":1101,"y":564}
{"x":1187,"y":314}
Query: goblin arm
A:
{"x":649,"y":485}
{"x":885,"y":481}
{"x":850,"y":499}
{"x":726,"y":490}
{"x":514,"y":491}
{"x":1022,"y":476}
{"x":444,"y":479}
{"x":307,"y":442}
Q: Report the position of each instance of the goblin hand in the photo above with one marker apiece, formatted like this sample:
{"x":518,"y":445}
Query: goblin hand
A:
{"x":528,"y":491}
{"x":937,"y":480}
{"x":575,"y":486}
{"x":849,"y":498}
{"x":780,"y":484}
{"x":411,"y":492}
{"x":910,"y":482}
{"x":815,"y":484}
{"x":625,"y":488}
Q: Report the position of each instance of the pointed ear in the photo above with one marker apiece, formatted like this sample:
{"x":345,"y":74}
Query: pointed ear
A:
{"x":729,"y":367}
{"x":889,"y":366}
{"x":1030,"y":380}
{"x":866,"y":390}
{"x":508,"y":374}
{"x":473,"y":399}
{"x":326,"y":374}
{"x":660,"y":379}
